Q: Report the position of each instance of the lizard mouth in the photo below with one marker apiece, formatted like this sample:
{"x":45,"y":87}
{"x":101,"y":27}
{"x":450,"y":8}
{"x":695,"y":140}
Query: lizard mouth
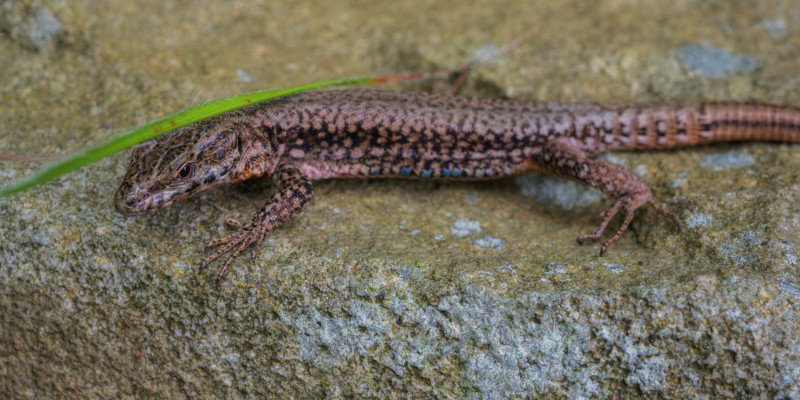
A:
{"x":136,"y":200}
{"x":141,"y":202}
{"x":127,"y":210}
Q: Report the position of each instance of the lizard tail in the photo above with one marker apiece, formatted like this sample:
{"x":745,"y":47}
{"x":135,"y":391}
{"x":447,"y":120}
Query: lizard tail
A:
{"x":664,"y":127}
{"x":727,"y":122}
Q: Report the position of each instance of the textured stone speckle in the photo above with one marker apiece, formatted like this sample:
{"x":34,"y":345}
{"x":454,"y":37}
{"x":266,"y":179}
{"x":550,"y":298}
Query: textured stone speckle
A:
{"x":245,"y":77}
{"x":566,"y":194}
{"x":731,"y":159}
{"x":776,"y":27}
{"x":697,"y":220}
{"x":742,"y":248}
{"x":714,"y":62}
{"x":615,"y":268}
{"x":29,"y":23}
{"x":488,"y":242}
{"x":471,"y":198}
{"x":789,"y":288}
{"x":464,"y":227}
{"x":555,"y":269}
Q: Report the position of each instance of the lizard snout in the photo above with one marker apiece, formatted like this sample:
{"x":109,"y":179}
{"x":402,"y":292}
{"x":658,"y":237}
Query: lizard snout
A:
{"x":130,"y":204}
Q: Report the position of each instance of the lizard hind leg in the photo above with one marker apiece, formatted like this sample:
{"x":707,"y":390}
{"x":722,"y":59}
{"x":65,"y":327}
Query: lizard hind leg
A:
{"x":564,"y":157}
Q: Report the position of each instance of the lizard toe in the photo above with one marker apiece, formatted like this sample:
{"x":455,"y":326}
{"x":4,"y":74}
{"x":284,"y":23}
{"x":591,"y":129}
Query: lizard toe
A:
{"x":605,"y":218}
{"x":235,"y":244}
{"x":663,"y":211}
{"x":233,"y":223}
{"x":627,"y":205}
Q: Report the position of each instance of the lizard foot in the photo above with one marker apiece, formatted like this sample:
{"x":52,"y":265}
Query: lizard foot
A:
{"x":627,"y":205}
{"x":235,"y":243}
{"x":566,"y":157}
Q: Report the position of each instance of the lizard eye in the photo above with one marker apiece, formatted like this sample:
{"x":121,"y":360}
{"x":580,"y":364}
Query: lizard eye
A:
{"x":184,"y":172}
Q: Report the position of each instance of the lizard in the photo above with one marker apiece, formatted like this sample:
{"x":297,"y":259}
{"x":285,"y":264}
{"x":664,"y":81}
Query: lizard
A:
{"x":394,"y":134}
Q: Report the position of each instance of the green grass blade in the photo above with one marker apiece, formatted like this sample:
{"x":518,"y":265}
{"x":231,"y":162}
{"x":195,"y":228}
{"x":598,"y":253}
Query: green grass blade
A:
{"x":161,"y":126}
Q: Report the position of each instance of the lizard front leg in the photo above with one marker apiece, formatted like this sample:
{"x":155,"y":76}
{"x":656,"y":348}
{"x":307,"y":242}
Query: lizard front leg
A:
{"x":294,"y":192}
{"x":564,"y":157}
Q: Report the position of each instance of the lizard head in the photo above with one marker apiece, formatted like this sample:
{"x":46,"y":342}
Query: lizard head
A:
{"x":176,"y":165}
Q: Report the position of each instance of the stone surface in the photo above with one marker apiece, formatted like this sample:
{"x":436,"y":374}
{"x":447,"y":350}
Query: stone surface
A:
{"x":370,"y":293}
{"x":30,"y":23}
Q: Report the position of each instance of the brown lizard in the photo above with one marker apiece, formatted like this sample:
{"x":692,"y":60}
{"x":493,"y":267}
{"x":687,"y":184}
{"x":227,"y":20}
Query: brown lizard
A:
{"x":385,"y":134}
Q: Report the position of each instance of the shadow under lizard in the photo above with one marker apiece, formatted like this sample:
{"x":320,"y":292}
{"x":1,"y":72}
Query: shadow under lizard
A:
{"x":387,"y":134}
